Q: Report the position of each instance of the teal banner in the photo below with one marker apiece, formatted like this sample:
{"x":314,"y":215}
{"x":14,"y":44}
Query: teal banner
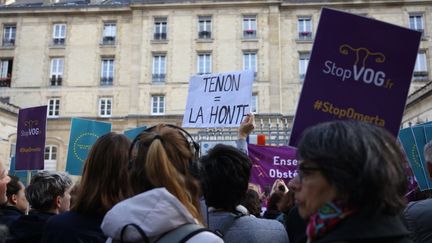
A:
{"x":132,"y":133}
{"x":406,"y":137}
{"x":84,"y":134}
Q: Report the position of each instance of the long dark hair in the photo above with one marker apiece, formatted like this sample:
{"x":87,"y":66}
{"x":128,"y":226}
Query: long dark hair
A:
{"x":104,"y":180}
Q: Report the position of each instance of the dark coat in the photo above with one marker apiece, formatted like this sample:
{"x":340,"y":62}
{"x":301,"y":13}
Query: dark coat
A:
{"x":28,"y":228}
{"x":71,"y":227}
{"x":418,"y":219}
{"x":366,"y":229}
{"x":9,"y":214}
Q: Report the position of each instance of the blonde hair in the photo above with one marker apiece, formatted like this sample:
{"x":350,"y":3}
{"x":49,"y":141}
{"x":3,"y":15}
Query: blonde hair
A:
{"x":162,"y":160}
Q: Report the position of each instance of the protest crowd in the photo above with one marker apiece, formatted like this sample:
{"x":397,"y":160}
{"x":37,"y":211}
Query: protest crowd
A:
{"x":350,"y":187}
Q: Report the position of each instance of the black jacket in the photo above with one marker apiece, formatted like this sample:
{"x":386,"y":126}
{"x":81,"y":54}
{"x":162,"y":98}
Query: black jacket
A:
{"x":71,"y":227}
{"x":9,"y":214}
{"x":28,"y":228}
{"x":366,"y":229}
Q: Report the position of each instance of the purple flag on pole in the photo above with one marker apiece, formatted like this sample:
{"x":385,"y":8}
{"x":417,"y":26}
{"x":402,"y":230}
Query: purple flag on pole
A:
{"x":30,"y":144}
{"x":356,"y":73}
{"x":270,"y":163}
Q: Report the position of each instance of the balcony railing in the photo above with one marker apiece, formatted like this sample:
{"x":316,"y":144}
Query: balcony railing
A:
{"x":421,"y":75}
{"x":106,"y":81}
{"x":56,"y":80}
{"x":108,"y":40}
{"x":5,"y":81}
{"x":249,"y":34}
{"x":204,"y":34}
{"x":58,"y":41}
{"x":8,"y":42}
{"x":158,"y":77}
{"x":160,"y":36}
{"x":305,"y":35}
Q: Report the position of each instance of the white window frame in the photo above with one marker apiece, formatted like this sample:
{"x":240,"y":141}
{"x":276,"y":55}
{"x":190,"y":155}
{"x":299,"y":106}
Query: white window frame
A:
{"x":4,"y":67}
{"x":204,"y":63}
{"x":250,"y":61}
{"x":160,"y":28}
{"x":421,"y":62}
{"x":109,"y":32}
{"x":50,"y":163}
{"x":59,"y":33}
{"x":416,"y":22}
{"x":304,"y":58}
{"x":304,"y":27}
{"x":57,"y":67}
{"x":158,"y":105}
{"x":107,"y":70}
{"x":254,"y":104}
{"x":9,"y":32}
{"x":159,"y":67}
{"x":249,"y":24}
{"x":53,"y":108}
{"x":204,"y":25}
{"x":105,"y":106}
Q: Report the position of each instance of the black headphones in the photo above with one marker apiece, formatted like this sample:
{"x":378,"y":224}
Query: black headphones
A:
{"x":193,"y":146}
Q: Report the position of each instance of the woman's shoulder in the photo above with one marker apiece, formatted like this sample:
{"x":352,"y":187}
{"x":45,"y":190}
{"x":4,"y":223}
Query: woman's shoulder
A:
{"x":205,"y":236}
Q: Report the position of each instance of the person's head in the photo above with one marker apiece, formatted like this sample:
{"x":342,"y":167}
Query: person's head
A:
{"x":49,"y":192}
{"x":287,"y":202}
{"x":354,"y":163}
{"x":16,"y":194}
{"x":225,"y":173}
{"x":4,"y":179}
{"x":252,"y":202}
{"x":274,"y":200}
{"x":161,"y":157}
{"x":104,"y":181}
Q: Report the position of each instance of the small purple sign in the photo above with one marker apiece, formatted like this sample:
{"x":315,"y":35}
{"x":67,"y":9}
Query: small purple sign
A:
{"x":360,"y":69}
{"x":30,"y":146}
{"x":270,"y":163}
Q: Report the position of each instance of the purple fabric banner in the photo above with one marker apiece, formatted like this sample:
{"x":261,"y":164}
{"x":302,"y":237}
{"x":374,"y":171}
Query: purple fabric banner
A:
{"x":30,"y":146}
{"x":270,"y":163}
{"x":356,"y":73}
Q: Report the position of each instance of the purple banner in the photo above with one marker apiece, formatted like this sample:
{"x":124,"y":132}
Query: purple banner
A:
{"x":270,"y":163}
{"x":30,"y":146}
{"x":356,"y":72}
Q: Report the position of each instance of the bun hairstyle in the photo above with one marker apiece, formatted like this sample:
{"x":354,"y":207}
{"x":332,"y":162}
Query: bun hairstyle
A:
{"x":161,"y":156}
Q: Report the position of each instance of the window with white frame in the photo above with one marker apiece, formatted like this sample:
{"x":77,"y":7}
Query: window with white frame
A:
{"x":105,"y":107}
{"x":250,"y":61}
{"x":158,"y":105}
{"x":303,"y":64}
{"x":59,"y":34}
{"x":50,"y":158}
{"x":204,"y":27}
{"x":107,"y":71}
{"x":254,"y":104}
{"x":420,"y":68}
{"x":249,"y":26}
{"x":9,"y":35}
{"x":56,"y":74}
{"x":5,"y":72}
{"x":160,"y":28}
{"x":416,"y":22}
{"x":204,"y":63}
{"x":53,"y":107}
{"x":109,"y":33}
{"x":304,"y":28}
{"x":159,"y":68}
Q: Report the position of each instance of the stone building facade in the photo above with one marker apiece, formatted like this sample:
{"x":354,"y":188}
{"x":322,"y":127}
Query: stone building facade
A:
{"x":129,"y":62}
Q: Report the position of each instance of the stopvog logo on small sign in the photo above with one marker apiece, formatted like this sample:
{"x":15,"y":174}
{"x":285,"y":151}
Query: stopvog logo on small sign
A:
{"x":218,"y":100}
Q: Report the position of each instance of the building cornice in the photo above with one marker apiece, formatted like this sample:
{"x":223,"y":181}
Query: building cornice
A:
{"x":419,"y":95}
{"x":354,"y":3}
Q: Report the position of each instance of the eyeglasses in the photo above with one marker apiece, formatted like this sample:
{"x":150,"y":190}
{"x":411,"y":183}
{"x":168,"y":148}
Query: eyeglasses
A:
{"x":306,"y":171}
